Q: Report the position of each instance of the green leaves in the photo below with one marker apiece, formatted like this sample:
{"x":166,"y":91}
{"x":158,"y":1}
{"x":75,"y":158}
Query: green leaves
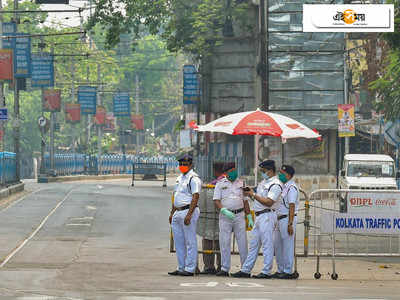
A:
{"x":190,"y":26}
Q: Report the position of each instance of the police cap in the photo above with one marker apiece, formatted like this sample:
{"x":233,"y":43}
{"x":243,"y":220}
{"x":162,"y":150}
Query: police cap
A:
{"x":288,"y":169}
{"x":228,"y":166}
{"x":185,"y":157}
{"x":267,"y":164}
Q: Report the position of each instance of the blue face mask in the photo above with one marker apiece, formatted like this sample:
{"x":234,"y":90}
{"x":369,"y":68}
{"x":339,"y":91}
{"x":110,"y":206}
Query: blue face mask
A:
{"x":265,"y":176}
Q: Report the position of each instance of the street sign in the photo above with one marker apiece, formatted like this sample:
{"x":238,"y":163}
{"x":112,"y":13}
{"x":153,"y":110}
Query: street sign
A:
{"x":392,"y":133}
{"x":22,"y":56}
{"x":9,"y":29}
{"x":121,"y":105}
{"x":191,"y":91}
{"x":87,"y":97}
{"x":42,"y":121}
{"x":42,"y":70}
{"x":3,"y":114}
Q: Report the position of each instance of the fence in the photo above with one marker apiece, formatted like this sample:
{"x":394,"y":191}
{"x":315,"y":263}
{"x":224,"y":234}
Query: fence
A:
{"x":75,"y":163}
{"x":7,"y":168}
{"x":368,"y":226}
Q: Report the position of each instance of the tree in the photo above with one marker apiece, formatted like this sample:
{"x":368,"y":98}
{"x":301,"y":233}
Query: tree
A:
{"x":191,"y":26}
{"x":387,"y":85}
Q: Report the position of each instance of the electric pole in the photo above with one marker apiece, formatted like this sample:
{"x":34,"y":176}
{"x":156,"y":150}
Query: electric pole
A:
{"x":16,"y":109}
{"x":99,"y":126}
{"x":137,"y":111}
{"x":52,"y":125}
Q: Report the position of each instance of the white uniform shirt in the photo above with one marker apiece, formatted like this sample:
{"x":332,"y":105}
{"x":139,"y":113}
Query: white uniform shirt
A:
{"x":230,"y":193}
{"x":275,"y":189}
{"x":183,"y":193}
{"x":290,"y":194}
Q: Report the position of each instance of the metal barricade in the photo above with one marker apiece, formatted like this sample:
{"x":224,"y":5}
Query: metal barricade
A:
{"x":340,"y":225}
{"x":149,"y":171}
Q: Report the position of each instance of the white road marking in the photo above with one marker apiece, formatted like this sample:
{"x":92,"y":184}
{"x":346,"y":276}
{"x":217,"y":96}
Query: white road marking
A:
{"x":99,"y":187}
{"x":79,"y":224}
{"x":82,"y":218}
{"x":200,"y":284}
{"x":90,"y":207}
{"x":11,"y":255}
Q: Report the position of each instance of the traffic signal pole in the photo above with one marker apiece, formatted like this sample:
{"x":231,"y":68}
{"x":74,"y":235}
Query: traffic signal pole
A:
{"x":16,"y":111}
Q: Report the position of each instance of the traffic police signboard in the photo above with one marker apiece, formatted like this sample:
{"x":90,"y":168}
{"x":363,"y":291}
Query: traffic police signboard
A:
{"x":3,"y":114}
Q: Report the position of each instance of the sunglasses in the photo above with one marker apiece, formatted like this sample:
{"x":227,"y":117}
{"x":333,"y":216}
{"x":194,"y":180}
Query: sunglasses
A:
{"x":185,"y":163}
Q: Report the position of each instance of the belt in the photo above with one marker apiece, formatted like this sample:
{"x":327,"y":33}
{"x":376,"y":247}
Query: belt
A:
{"x":257,"y":213}
{"x":237,"y":210}
{"x":183,"y":207}
{"x":284,"y":216}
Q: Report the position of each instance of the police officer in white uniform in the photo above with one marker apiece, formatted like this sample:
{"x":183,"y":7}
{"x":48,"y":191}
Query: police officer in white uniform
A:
{"x":266,"y":200}
{"x":229,"y":199}
{"x":184,"y":217}
{"x":287,"y":218}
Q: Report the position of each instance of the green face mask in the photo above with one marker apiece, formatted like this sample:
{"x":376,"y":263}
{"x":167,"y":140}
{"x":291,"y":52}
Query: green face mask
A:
{"x":232,"y":175}
{"x":282,"y":177}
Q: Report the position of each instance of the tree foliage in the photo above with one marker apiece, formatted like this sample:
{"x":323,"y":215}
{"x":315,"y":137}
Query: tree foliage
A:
{"x":387,"y":85}
{"x":190,"y":26}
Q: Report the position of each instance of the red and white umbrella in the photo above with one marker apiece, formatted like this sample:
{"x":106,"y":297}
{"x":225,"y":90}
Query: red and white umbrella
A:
{"x":259,"y":123}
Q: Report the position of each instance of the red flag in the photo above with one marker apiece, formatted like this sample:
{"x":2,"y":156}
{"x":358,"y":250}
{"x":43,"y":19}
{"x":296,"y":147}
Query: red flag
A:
{"x":72,"y":112}
{"x":137,"y":122}
{"x":100,"y":117}
{"x":6,"y":65}
{"x":51,"y":100}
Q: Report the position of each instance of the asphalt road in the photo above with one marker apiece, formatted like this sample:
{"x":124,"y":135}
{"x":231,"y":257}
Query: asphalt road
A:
{"x":106,"y":240}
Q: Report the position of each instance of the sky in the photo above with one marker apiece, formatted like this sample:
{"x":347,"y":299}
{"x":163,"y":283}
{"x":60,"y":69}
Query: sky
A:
{"x":73,"y":18}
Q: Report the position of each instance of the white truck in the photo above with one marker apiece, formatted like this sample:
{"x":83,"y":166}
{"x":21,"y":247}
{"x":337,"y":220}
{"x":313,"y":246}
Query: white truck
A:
{"x":366,"y":171}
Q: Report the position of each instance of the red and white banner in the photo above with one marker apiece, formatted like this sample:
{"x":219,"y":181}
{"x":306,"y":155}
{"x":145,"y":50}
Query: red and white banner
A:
{"x":137,"y":122}
{"x":6,"y":65}
{"x":51,"y":100}
{"x":373,"y":202}
{"x":72,"y":112}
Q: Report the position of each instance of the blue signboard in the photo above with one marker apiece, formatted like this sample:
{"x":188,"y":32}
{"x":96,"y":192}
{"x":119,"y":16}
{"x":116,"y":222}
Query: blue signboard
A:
{"x":9,"y":29}
{"x":3,"y":114}
{"x":121,"y":105}
{"x":87,"y":96}
{"x":42,"y":70}
{"x":191,"y":90}
{"x":22,"y":56}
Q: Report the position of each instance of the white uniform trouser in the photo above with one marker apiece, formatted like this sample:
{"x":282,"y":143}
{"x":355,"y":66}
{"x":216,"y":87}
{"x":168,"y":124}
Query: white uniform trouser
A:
{"x":284,"y":245}
{"x":262,"y":236}
{"x":226,"y":226}
{"x":185,"y":239}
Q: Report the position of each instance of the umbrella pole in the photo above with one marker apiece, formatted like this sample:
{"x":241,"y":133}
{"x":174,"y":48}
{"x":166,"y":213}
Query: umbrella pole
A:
{"x":256,"y":146}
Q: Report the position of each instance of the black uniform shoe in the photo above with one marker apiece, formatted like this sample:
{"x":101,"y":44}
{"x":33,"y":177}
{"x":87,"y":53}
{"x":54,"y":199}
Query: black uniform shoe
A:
{"x":174,"y":273}
{"x":277,"y":275}
{"x":209,"y":271}
{"x":287,"y":276}
{"x":262,"y":276}
{"x":222,"y":274}
{"x":240,"y":274}
{"x":185,"y":273}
